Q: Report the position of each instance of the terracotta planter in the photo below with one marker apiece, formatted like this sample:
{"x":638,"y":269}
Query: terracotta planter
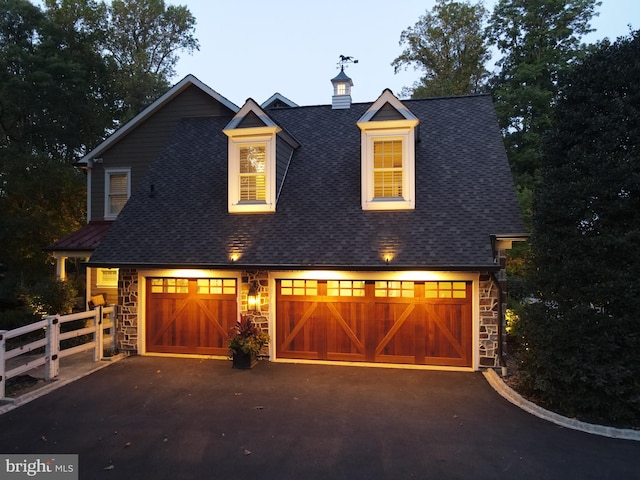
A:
{"x":244,"y":360}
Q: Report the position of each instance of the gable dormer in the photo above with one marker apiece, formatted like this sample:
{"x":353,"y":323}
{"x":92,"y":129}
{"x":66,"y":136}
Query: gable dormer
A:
{"x":277,"y":101}
{"x":388,"y":136}
{"x":259,"y":152}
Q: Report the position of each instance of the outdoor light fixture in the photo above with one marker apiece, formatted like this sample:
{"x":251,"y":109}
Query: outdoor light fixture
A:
{"x":253,"y":297}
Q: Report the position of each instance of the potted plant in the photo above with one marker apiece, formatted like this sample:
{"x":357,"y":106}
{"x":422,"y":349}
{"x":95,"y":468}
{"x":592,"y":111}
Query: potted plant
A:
{"x":245,"y":341}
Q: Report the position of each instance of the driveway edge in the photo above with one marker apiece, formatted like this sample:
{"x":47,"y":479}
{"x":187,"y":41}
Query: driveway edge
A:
{"x":63,"y":379}
{"x":514,"y":397}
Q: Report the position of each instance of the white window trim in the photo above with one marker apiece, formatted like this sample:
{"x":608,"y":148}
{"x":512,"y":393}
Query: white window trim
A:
{"x":101,"y":282}
{"x":107,"y":174}
{"x":236,"y":142}
{"x":403,"y":130}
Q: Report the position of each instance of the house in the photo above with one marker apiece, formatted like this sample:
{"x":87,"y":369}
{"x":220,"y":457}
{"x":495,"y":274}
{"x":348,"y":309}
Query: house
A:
{"x":353,"y":232}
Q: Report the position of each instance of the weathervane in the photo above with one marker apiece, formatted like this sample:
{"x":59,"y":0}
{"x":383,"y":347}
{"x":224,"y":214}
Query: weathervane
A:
{"x":344,"y":60}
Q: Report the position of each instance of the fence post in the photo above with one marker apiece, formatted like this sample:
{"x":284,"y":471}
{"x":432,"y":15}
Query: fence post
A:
{"x":112,"y":321}
{"x":99,"y":340}
{"x":3,"y":366}
{"x":52,"y":351}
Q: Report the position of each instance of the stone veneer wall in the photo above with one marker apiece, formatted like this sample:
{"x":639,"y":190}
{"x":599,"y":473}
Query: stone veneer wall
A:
{"x":490,"y":319}
{"x":127,"y":317}
{"x":261,"y":316}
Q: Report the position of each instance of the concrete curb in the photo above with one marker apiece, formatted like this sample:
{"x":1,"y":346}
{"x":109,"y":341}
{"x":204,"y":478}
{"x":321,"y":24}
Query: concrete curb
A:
{"x":503,"y":389}
{"x":59,"y":382}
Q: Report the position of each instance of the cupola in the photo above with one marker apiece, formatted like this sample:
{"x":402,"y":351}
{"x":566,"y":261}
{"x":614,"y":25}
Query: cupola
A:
{"x":342,"y":86}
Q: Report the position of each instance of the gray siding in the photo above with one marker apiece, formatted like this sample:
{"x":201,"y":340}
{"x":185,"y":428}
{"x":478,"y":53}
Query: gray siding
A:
{"x":141,"y":146}
{"x":251,"y":120}
{"x":387,"y":112}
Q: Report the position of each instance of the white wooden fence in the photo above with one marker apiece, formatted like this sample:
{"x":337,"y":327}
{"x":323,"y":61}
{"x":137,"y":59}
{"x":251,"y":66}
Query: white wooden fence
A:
{"x":10,"y":360}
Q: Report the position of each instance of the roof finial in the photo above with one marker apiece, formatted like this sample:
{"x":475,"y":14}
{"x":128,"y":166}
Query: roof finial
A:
{"x":345,"y":60}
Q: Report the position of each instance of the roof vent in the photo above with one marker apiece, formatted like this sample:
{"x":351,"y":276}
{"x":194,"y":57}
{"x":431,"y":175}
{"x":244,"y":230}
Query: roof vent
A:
{"x":342,"y":86}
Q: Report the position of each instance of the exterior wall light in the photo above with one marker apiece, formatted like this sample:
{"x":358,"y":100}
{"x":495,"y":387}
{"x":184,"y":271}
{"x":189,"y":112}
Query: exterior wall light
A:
{"x":253,"y":297}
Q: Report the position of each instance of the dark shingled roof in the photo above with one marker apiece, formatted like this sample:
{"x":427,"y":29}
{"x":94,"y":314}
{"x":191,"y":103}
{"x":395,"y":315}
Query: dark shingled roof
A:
{"x":464,"y":194}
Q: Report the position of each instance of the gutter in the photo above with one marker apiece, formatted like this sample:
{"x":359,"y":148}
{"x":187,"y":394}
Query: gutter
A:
{"x":492,"y":268}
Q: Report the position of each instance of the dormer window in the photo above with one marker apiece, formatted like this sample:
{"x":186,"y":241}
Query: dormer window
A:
{"x":252,"y":174}
{"x":253,"y":169}
{"x":388,"y":155}
{"x":387,"y":168}
{"x":252,"y":161}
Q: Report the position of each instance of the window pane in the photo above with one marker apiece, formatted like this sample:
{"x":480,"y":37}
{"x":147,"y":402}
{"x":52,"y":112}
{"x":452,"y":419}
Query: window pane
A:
{"x":107,"y":277}
{"x":445,"y":290}
{"x":118,"y":183}
{"x":387,"y":169}
{"x":117,"y":195}
{"x":253,"y":187}
{"x":387,"y":154}
{"x":387,"y":184}
{"x":252,"y":159}
{"x":252,"y":173}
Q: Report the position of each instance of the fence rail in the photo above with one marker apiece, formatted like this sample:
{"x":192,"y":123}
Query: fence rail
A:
{"x":24,"y":357}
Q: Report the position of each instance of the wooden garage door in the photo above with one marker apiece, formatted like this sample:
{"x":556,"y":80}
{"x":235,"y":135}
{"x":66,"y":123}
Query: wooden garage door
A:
{"x":423,"y":323}
{"x":190,"y":316}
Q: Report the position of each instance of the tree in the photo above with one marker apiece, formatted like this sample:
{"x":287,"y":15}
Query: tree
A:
{"x":582,"y":336}
{"x":448,"y":44}
{"x":142,"y":45}
{"x":72,"y":71}
{"x":538,"y":39}
{"x":48,"y":112}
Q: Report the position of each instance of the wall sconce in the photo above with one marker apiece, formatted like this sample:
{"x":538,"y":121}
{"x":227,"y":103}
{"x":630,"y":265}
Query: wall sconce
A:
{"x":253,"y":297}
{"x":387,"y":258}
{"x":234,"y":257}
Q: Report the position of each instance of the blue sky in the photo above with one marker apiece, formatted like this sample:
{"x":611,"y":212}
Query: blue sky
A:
{"x":254,"y":48}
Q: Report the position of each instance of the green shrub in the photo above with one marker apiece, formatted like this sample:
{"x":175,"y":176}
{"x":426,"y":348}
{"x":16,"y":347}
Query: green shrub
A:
{"x":17,"y":317}
{"x":580,"y":362}
{"x":49,"y":296}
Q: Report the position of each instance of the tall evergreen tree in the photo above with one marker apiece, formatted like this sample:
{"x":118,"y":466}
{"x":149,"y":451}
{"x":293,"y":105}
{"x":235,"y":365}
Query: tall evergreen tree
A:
{"x":582,"y":336}
{"x":448,"y":44}
{"x":538,"y":40}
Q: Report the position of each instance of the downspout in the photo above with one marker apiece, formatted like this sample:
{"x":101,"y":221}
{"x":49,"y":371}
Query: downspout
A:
{"x":89,"y":168}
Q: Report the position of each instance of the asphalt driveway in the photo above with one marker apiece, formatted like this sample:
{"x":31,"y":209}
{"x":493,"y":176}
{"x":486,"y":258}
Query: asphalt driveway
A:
{"x":168,"y":418}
